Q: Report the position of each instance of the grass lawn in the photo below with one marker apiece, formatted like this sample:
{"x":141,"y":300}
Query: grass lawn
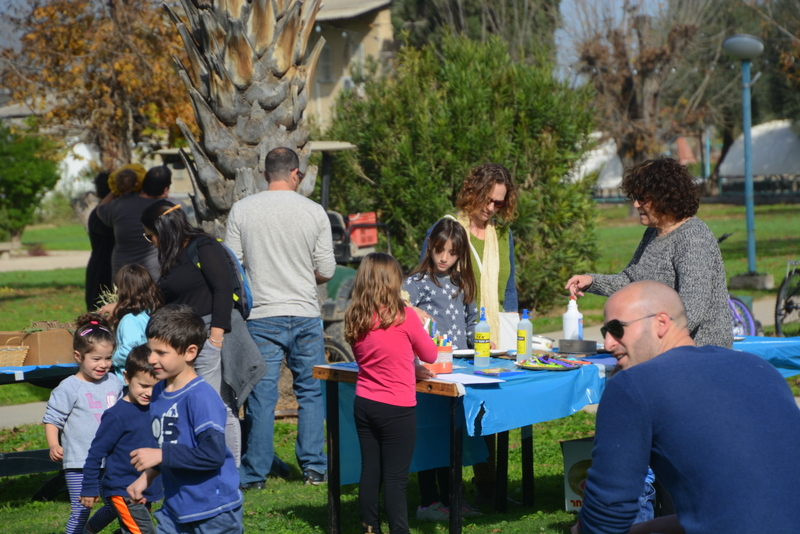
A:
{"x":286,"y":507}
{"x":291,"y":507}
{"x":27,"y":296}
{"x":50,"y":237}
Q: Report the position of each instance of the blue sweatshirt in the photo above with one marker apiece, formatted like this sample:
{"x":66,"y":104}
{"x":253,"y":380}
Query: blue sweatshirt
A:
{"x":720,"y":429}
{"x":130,"y":334}
{"x":124,"y":427}
{"x":197,"y":469}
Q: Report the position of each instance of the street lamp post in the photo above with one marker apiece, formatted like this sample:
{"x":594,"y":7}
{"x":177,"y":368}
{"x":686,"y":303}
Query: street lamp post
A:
{"x":746,"y":48}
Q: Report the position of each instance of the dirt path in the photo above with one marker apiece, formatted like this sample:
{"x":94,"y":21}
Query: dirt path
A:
{"x":55,"y":259}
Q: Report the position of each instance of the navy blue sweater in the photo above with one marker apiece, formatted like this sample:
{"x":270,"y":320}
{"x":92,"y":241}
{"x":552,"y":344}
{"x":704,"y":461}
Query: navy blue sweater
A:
{"x":720,"y":428}
{"x":123,"y":428}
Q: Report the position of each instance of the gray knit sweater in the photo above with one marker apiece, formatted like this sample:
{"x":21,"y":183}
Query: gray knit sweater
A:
{"x":687,"y":259}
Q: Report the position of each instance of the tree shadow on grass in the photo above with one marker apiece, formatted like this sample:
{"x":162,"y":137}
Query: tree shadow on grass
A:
{"x":772,"y":247}
{"x":26,"y":283}
{"x":547,"y":512}
{"x":18,"y":491}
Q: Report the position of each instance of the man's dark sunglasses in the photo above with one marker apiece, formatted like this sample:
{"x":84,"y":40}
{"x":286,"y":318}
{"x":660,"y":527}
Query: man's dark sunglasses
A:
{"x":617,"y":328}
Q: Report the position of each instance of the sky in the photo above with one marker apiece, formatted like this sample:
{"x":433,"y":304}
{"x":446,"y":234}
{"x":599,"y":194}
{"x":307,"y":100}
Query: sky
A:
{"x":571,"y":26}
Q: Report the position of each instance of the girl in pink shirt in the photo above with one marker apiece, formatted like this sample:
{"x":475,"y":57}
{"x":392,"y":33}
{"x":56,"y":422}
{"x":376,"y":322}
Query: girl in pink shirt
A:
{"x":385,"y":336}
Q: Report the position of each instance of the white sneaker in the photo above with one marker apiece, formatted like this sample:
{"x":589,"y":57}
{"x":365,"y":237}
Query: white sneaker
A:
{"x":435,"y":512}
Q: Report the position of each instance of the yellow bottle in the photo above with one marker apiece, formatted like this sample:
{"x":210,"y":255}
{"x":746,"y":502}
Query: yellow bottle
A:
{"x":482,"y":341}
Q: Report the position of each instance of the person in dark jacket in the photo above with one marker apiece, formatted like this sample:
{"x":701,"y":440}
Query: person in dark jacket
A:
{"x":101,"y":237}
{"x":229,"y":360}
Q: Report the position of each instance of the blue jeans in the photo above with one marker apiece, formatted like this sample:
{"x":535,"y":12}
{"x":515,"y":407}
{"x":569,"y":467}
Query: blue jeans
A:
{"x":301,"y":340}
{"x":647,"y":499}
{"x":228,"y":522}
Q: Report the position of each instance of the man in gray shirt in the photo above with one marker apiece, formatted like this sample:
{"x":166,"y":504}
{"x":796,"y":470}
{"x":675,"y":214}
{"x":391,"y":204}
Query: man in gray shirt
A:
{"x":284,"y":243}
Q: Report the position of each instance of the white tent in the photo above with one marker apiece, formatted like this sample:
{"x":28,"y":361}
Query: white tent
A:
{"x":776,"y":150}
{"x":604,"y":159}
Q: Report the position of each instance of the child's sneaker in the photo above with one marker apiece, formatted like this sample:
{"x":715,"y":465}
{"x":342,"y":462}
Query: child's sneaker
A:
{"x":435,"y":512}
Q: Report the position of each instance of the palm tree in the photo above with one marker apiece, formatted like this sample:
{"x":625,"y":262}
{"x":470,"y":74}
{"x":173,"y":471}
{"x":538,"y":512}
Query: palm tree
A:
{"x":247,"y":80}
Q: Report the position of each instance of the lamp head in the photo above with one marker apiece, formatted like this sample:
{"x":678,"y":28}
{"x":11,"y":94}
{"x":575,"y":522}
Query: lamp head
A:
{"x":743,"y":46}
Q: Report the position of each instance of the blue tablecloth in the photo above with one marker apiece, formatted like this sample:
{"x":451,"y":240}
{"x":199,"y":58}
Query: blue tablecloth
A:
{"x":522,"y":400}
{"x":783,"y":353}
{"x":10,"y":375}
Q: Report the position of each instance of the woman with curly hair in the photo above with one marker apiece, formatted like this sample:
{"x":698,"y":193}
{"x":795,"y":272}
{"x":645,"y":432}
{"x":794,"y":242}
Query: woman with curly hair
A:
{"x":488,"y":193}
{"x":677,"y":249}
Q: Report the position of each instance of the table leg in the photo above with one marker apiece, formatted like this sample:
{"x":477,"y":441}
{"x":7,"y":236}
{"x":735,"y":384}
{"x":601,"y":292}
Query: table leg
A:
{"x":527,"y":465}
{"x":501,"y":473}
{"x":455,"y":466}
{"x":334,"y":487}
{"x":52,"y":488}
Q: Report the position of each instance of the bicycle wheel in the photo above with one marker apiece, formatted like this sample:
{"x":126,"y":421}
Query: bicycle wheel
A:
{"x":335,"y":352}
{"x":743,"y":322}
{"x":787,"y":307}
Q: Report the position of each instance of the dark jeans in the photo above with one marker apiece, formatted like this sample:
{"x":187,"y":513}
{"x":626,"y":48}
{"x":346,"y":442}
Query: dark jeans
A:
{"x":133,"y":517}
{"x":386,"y":434}
{"x":434,"y":486}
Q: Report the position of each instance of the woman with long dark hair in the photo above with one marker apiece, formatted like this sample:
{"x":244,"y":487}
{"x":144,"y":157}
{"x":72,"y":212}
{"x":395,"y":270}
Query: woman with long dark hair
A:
{"x":229,"y":360}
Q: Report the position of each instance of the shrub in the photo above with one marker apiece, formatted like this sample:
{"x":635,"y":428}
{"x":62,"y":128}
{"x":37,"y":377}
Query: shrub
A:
{"x":27,"y":171}
{"x":449,"y":107}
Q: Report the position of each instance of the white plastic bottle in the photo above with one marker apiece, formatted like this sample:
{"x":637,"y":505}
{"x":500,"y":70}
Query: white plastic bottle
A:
{"x":482,"y":341}
{"x":524,"y":334}
{"x":573,"y":321}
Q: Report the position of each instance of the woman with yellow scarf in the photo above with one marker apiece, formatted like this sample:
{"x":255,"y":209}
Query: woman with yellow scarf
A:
{"x":488,"y":192}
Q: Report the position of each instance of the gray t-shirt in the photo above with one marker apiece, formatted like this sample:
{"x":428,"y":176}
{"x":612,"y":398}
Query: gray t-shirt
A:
{"x":75,"y":407}
{"x":281,"y":238}
{"x":688,"y":260}
{"x":124,"y":215}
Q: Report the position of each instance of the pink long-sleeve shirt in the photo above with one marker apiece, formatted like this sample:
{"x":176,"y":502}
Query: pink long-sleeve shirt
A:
{"x":386,"y":361}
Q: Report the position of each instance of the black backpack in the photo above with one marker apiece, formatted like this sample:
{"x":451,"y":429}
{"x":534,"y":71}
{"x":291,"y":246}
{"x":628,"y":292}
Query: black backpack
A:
{"x":242,"y":296}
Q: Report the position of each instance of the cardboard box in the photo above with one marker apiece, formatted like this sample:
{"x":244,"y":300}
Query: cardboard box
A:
{"x":577,"y":461}
{"x":47,"y":347}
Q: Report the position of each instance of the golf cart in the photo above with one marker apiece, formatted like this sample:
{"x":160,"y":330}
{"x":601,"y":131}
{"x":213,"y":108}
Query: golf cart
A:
{"x":353,"y":238}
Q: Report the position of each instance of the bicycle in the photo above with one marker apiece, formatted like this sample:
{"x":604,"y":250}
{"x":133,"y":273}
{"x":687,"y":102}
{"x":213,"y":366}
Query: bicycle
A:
{"x":744,"y":324}
{"x":787,"y":305}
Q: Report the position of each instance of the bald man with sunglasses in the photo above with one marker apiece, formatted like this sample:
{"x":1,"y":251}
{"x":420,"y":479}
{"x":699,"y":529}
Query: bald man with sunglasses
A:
{"x":720,"y":428}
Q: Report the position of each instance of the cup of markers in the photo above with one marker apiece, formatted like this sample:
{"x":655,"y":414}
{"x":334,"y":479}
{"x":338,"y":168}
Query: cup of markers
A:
{"x":444,"y":358}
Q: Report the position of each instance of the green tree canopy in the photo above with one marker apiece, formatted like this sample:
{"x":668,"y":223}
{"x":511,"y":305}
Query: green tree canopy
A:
{"x":26,"y":172}
{"x":454,"y":105}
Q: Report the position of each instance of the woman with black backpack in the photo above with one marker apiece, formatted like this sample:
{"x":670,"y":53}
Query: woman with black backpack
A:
{"x":197,"y":270}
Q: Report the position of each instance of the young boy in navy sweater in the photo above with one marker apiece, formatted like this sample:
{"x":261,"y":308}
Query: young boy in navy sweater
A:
{"x":201,"y":482}
{"x":123,"y":428}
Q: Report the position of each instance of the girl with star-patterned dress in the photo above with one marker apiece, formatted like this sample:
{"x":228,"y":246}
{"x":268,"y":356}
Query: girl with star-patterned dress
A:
{"x":443,"y":286}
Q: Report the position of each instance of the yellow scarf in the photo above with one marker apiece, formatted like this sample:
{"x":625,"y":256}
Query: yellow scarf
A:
{"x":489,"y":269}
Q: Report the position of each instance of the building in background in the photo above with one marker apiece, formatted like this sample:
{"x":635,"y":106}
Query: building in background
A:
{"x":354,"y":30}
